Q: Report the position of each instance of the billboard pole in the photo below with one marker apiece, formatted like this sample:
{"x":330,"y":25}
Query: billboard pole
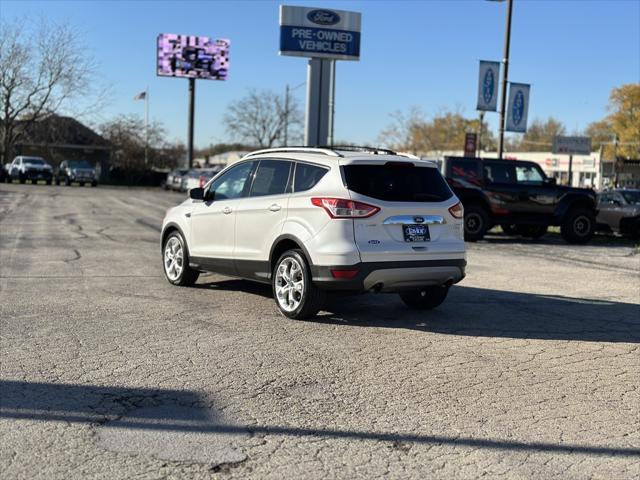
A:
{"x":505,"y":75}
{"x":192,"y":95}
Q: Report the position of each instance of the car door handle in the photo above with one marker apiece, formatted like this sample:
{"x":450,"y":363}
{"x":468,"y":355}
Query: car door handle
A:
{"x":226,"y":210}
{"x":275,"y":207}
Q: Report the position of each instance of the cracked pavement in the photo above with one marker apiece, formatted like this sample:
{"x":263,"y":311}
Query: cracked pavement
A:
{"x":530,"y":369}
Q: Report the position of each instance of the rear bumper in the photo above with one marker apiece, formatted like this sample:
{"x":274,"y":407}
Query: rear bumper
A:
{"x":37,"y":175}
{"x":391,"y":276}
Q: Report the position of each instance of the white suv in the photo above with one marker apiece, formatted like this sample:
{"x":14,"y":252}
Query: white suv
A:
{"x":313,"y":220}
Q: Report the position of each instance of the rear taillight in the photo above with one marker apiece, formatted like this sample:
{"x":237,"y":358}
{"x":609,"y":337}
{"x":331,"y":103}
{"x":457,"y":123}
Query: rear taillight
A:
{"x":457,"y":211}
{"x":202,"y":181}
{"x":341,"y":208}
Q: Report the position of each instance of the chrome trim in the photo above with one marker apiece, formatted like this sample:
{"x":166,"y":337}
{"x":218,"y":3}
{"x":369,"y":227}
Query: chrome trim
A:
{"x":410,"y":220}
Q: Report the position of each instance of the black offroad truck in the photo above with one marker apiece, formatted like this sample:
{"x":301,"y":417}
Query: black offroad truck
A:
{"x":518,"y":196}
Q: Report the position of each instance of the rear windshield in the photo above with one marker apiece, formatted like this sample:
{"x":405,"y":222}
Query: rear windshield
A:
{"x":79,"y":164}
{"x":33,"y":161}
{"x":397,"y":183}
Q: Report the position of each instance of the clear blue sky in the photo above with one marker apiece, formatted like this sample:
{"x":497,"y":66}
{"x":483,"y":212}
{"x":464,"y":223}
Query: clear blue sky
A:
{"x":422,"y":53}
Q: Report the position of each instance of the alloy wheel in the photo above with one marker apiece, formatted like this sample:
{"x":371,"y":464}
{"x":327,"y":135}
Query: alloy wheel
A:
{"x":289,"y":284}
{"x":173,"y":258}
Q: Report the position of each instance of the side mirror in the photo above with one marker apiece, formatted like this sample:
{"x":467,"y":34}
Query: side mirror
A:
{"x":196,"y":193}
{"x":550,"y":181}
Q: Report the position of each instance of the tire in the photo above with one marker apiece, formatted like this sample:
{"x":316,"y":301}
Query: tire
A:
{"x":302,"y":299}
{"x":578,"y":225}
{"x":425,"y":299}
{"x":82,"y":184}
{"x":509,"y":229}
{"x":476,"y":223}
{"x":34,"y":182}
{"x":49,"y":182}
{"x":177,"y":272}
{"x":531,"y":231}
{"x":94,"y":184}
{"x":67,"y":182}
{"x":57,"y":181}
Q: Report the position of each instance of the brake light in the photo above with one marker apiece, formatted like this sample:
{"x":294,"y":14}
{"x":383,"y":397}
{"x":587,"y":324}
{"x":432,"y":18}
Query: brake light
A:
{"x":457,"y":211}
{"x":342,"y":208}
{"x":202,"y":181}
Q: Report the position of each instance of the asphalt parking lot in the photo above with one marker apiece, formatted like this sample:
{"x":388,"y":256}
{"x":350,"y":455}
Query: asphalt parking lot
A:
{"x":531,"y":368}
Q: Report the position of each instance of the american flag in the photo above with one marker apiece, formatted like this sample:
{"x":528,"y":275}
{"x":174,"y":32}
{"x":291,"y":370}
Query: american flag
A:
{"x":141,"y":96}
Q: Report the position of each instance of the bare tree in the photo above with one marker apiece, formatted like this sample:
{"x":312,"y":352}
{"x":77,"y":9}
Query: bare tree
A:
{"x":43,"y":69}
{"x":126,"y":134}
{"x":259,"y":118}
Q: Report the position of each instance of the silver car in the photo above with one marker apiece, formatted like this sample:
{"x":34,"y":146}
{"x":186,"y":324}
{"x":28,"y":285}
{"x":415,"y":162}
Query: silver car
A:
{"x":619,"y":211}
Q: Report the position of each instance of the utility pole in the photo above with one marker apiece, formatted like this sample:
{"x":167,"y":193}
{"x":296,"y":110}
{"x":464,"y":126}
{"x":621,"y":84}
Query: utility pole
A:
{"x":505,"y":76}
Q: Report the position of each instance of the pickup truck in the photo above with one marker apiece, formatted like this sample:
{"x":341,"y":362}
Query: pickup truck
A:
{"x":518,"y":196}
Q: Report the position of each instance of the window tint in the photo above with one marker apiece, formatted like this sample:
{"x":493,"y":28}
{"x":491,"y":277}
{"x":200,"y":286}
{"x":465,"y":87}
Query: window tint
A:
{"x":499,"y":173}
{"x":271,"y":178}
{"x":307,"y":176}
{"x":465,"y":171}
{"x":397,"y":183}
{"x":528,"y":174}
{"x":231,"y":184}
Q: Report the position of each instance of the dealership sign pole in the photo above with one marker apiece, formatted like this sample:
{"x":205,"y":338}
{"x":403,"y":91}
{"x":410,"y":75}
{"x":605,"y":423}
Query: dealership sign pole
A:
{"x":325,"y":36}
{"x":192,"y":57}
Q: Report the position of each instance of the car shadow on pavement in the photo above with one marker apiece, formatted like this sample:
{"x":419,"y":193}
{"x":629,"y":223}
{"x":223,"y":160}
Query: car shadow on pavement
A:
{"x":478,"y":312}
{"x":235,"y":285}
{"x":131,"y":408}
{"x":496,"y":313}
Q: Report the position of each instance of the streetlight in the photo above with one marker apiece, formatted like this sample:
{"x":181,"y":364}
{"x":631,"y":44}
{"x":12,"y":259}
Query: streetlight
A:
{"x":505,"y":76}
{"x":286,"y":109}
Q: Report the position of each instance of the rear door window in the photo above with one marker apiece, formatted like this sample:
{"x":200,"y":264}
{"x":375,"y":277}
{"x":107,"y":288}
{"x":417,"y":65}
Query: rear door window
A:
{"x":307,"y":176}
{"x":499,"y":173}
{"x":271,"y":178}
{"x":402,"y":182}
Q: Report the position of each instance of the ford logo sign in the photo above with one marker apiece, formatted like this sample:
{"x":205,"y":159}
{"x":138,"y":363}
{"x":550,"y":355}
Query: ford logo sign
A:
{"x":518,"y":108}
{"x":488,"y":86}
{"x":418,"y":219}
{"x":323,"y":17}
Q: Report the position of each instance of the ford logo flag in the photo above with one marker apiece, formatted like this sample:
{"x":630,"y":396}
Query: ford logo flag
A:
{"x":323,"y":17}
{"x":518,"y":107}
{"x":487,"y":81}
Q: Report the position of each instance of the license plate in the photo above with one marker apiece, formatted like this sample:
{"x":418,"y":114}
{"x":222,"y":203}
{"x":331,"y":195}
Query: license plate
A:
{"x":416,"y":233}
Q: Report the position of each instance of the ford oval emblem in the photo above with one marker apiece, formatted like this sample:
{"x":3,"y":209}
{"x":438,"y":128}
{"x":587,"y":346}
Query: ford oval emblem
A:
{"x":518,"y":108}
{"x":418,"y":219}
{"x":374,"y":242}
{"x":323,"y":17}
{"x":488,"y":86}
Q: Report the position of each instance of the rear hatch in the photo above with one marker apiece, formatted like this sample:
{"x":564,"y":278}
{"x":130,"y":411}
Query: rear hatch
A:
{"x":414,"y":222}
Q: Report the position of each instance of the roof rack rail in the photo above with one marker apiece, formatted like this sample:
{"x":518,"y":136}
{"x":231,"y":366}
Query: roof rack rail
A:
{"x":362,"y":148}
{"x":320,"y":150}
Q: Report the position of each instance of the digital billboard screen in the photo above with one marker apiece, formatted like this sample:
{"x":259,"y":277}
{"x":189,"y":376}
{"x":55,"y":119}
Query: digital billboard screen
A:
{"x":190,"y":56}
